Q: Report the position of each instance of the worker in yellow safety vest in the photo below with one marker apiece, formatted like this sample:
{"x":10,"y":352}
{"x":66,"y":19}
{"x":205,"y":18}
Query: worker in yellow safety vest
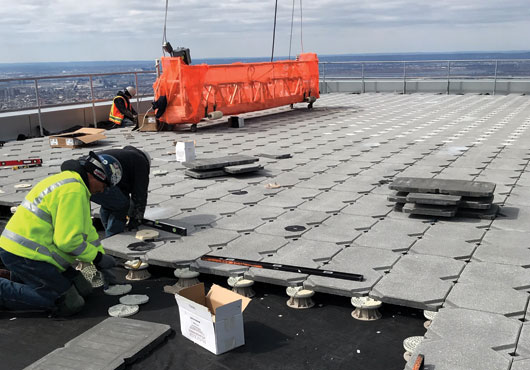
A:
{"x":51,"y":230}
{"x":121,"y":112}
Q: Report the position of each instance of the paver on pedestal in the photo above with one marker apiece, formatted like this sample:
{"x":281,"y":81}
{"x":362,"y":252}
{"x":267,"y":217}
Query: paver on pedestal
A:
{"x":300,"y":253}
{"x":465,"y":326}
{"x":446,"y":355}
{"x":490,"y":297}
{"x":427,"y":293}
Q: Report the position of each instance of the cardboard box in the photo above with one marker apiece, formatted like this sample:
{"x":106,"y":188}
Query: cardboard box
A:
{"x":75,"y":139}
{"x":185,"y":151}
{"x":214,"y":320}
{"x":149,"y":124}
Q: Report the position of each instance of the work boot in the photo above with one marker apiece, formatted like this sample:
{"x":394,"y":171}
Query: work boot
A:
{"x":5,"y":274}
{"x":69,"y":303}
{"x":82,"y":285}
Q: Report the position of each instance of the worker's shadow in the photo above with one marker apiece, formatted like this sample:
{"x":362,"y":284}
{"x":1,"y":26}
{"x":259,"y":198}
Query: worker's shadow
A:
{"x":260,"y":338}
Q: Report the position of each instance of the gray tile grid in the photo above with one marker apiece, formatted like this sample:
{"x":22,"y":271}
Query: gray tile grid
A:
{"x":371,"y":205}
{"x":448,"y":355}
{"x":369,"y":262}
{"x":301,"y":220}
{"x":298,"y":253}
{"x":353,"y":143}
{"x":184,"y":251}
{"x":392,"y":234}
{"x":490,"y":297}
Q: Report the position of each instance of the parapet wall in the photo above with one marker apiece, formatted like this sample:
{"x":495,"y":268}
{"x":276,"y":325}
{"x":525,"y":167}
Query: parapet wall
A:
{"x":55,"y":119}
{"x":500,"y":87}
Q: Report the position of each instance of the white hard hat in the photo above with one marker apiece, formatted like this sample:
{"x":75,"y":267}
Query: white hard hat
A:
{"x":131,"y":90}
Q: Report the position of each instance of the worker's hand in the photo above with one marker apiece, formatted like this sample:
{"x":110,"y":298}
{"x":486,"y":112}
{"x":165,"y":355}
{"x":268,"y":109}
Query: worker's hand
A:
{"x":104,"y":263}
{"x":134,"y":223}
{"x":108,"y":278}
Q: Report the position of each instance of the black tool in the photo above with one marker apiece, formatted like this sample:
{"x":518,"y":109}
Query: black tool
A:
{"x":180,"y":230}
{"x":280,"y":267}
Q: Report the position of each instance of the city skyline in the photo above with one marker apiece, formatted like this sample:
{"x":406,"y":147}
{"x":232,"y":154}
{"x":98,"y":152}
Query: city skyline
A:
{"x":61,"y":30}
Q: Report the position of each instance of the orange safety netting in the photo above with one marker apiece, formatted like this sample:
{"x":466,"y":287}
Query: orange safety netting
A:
{"x":193,"y":91}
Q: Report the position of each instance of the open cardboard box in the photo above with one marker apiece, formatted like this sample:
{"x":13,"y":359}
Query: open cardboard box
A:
{"x":214,"y":320}
{"x":149,"y":123}
{"x":81,"y":137}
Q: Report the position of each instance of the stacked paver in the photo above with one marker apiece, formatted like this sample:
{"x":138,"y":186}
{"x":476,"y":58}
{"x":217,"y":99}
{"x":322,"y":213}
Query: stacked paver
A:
{"x":227,"y":165}
{"x":444,"y":197}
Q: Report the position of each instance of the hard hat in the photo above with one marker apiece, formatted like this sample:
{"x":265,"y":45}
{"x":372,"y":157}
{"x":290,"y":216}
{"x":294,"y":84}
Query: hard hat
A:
{"x":103,"y":167}
{"x":131,"y":90}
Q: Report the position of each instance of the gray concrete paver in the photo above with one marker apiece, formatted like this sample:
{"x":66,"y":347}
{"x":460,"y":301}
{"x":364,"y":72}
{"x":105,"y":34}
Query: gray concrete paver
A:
{"x":490,"y":297}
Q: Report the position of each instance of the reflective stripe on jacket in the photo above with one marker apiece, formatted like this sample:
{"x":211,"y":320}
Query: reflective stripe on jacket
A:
{"x":115,"y":115}
{"x":53,"y":223}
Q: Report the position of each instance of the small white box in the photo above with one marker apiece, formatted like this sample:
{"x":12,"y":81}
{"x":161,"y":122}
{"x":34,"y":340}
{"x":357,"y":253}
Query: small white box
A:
{"x":213,"y":321}
{"x":185,"y":151}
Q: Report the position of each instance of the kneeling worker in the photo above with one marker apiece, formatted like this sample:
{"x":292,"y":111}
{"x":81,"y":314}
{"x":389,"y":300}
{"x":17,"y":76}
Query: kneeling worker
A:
{"x":49,"y":231}
{"x":129,"y":197}
{"x":122,"y":112}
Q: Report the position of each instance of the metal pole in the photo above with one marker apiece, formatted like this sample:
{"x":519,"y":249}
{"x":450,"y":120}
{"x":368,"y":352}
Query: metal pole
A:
{"x":157,"y":67}
{"x":324,"y":74}
{"x":363,"y":88}
{"x":38,"y":108}
{"x":404,"y":77}
{"x":137,"y":94}
{"x":93,"y":104}
{"x":495,"y":81}
{"x":448,"y":75}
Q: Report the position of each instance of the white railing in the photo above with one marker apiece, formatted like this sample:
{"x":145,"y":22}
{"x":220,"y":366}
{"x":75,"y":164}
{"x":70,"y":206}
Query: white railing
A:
{"x":26,"y":93}
{"x":426,"y":70}
{"x":37,"y":93}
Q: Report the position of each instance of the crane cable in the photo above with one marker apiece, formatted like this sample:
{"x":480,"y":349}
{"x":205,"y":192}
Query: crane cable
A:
{"x":301,"y":39}
{"x":291,"y":37}
{"x":274,"y":29}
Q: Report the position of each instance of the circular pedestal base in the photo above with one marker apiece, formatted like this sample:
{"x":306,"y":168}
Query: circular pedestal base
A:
{"x":185,"y":273}
{"x":92,"y":275}
{"x":242,"y":286}
{"x":300,"y":298}
{"x":136,"y":275}
{"x":429,"y":315}
{"x":410,"y":344}
{"x":366,"y":308}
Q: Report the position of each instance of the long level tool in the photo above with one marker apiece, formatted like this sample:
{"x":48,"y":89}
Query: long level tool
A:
{"x":180,"y":230}
{"x":281,"y":267}
{"x":22,"y":162}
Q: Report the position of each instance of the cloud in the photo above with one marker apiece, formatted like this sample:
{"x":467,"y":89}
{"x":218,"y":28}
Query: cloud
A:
{"x":133,"y":29}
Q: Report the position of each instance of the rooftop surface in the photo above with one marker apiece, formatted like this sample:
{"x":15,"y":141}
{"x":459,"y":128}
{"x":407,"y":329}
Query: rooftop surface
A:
{"x":334,"y":189}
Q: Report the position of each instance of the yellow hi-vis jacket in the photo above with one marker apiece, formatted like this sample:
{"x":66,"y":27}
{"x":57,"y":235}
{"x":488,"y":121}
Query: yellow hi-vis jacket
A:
{"x":115,"y":115}
{"x":53,"y":223}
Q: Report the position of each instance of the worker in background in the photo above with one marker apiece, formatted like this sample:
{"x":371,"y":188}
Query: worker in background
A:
{"x":129,"y":198}
{"x":51,"y":230}
{"x":121,"y":112}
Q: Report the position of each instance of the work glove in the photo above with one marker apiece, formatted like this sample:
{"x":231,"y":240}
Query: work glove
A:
{"x":104,"y":263}
{"x":133,"y":224}
{"x":136,"y":216}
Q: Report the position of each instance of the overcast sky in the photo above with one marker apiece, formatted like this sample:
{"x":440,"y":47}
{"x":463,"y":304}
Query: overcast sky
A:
{"x":74,"y":30}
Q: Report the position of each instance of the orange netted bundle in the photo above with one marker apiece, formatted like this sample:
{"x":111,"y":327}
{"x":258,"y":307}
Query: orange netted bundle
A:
{"x":192,"y":92}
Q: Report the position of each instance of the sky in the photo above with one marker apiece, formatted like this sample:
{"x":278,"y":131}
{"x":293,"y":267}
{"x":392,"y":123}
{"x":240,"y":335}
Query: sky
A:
{"x":105,"y":30}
